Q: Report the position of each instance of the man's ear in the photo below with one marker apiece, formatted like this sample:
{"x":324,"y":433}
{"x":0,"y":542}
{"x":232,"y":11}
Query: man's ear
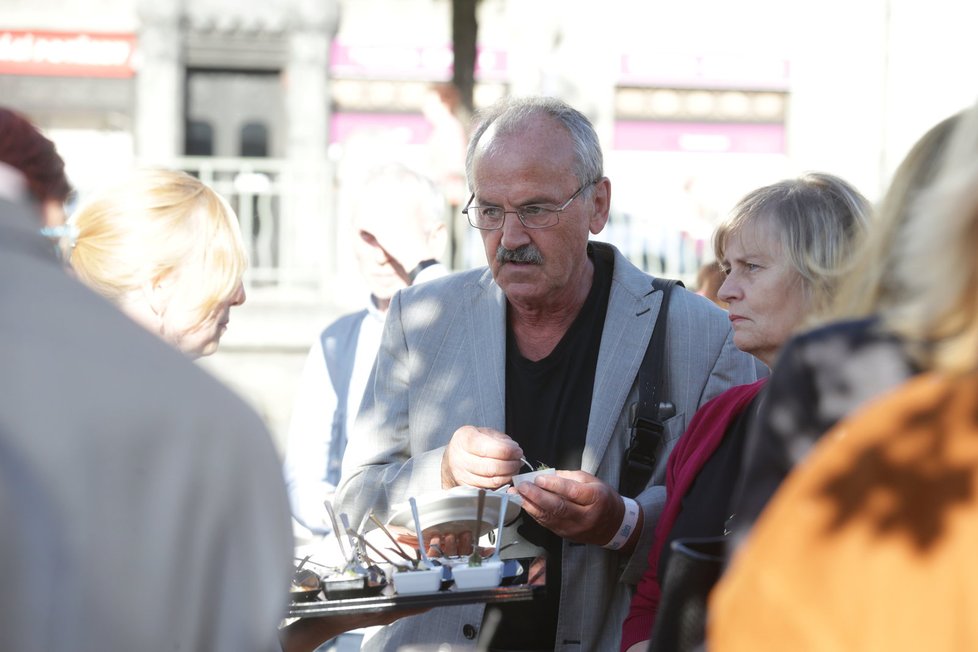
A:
{"x":601,"y":198}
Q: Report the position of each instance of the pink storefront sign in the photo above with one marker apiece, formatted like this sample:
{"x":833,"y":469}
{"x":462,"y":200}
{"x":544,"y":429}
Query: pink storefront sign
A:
{"x":716,"y":71}
{"x":409,"y":62}
{"x":405,"y":128}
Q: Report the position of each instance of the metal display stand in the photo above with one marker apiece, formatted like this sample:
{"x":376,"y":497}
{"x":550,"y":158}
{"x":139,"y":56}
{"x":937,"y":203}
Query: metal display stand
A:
{"x":390,"y":602}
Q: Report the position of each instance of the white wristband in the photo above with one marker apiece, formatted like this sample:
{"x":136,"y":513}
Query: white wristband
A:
{"x":628,"y":522}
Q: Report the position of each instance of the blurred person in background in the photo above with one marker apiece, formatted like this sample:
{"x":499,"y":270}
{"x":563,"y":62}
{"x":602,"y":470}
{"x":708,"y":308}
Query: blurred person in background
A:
{"x":708,"y":281}
{"x":869,"y":544}
{"x":444,"y":163}
{"x":167,"y":250}
{"x":781,"y":252}
{"x":828,"y":371}
{"x":398,"y":235}
{"x":34,"y":173}
{"x":445,"y":148}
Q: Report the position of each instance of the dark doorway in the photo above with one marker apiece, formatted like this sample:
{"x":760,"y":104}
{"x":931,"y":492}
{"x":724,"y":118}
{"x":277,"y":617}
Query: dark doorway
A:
{"x":242,"y":108}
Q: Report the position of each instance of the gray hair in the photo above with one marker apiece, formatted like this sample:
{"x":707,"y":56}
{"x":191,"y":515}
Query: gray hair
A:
{"x":819,"y":219}
{"x":509,"y":115}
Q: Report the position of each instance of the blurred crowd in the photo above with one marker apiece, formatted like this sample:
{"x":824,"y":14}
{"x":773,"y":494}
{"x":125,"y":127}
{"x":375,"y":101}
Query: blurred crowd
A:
{"x":783,"y":456}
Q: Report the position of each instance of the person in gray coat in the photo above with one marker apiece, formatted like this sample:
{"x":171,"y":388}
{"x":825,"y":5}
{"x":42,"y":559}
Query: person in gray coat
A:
{"x":534,"y":357}
{"x":141,"y":501}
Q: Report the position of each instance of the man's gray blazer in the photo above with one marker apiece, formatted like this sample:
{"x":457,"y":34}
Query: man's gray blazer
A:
{"x":441,"y":366}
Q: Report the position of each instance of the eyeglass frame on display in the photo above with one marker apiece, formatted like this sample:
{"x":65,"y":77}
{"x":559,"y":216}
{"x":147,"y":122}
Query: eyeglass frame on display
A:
{"x":544,"y":210}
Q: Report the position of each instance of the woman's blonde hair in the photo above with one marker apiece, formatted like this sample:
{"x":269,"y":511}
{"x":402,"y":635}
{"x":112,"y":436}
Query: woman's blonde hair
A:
{"x":870,"y":285}
{"x":817,"y":217}
{"x":158,"y":223}
{"x":938,"y":271}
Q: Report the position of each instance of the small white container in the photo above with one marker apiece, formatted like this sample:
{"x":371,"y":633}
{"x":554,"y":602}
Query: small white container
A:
{"x":418,"y":581}
{"x":488,"y":575}
{"x":528,"y":477}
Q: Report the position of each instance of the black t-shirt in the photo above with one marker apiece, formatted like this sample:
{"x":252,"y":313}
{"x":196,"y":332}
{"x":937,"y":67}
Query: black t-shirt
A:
{"x":548,"y":404}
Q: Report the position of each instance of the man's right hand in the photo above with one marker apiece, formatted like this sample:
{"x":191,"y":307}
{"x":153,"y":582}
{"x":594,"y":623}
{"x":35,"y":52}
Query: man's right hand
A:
{"x":480,"y":457}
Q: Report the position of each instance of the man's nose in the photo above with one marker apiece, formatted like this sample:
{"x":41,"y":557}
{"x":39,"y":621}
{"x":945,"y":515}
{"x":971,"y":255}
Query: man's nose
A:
{"x":514,"y":233}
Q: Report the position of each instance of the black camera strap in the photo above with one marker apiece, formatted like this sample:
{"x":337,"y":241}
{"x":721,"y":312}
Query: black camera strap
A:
{"x":651,"y":411}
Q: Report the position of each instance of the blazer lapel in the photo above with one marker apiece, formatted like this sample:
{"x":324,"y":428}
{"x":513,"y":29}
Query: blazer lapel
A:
{"x":632,"y":309}
{"x":487,"y":329}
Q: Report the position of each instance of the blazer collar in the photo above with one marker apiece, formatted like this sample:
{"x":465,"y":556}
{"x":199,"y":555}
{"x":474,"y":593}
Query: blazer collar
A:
{"x":632,"y":309}
{"x":487,"y":328}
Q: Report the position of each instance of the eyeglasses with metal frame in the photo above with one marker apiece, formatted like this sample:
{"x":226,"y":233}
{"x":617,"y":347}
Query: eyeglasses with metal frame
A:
{"x":532,"y":216}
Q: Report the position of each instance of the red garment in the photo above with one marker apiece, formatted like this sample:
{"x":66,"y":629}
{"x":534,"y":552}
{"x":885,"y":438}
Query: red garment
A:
{"x":692,"y":451}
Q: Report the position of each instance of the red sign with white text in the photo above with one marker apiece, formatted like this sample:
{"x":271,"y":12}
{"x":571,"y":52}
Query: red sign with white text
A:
{"x":66,"y":54}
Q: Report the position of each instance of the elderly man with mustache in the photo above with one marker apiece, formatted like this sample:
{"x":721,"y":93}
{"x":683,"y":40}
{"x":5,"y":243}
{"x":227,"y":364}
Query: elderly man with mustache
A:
{"x":534,"y":357}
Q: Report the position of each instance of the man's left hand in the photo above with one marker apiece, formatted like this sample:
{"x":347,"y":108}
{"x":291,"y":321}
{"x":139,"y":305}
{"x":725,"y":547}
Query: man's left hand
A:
{"x":574,"y":505}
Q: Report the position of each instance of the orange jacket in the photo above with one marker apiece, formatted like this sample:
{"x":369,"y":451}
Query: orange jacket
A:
{"x":871,"y":543}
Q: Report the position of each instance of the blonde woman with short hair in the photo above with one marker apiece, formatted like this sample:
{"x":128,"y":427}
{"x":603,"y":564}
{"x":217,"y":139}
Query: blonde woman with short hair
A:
{"x":825,"y":373}
{"x":868,"y":544}
{"x":781,"y":251}
{"x":167,"y":250}
{"x":815,"y":221}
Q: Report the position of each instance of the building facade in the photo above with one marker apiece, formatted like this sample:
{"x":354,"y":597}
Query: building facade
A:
{"x":283,"y":106}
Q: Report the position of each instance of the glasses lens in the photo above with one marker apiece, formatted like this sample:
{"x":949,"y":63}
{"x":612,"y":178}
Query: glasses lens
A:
{"x":485,"y":217}
{"x":532,"y":217}
{"x":538,"y":217}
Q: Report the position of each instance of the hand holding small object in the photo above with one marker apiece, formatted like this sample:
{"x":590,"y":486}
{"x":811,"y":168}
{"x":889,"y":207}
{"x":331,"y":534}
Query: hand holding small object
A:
{"x":480,"y":457}
{"x":574,"y":505}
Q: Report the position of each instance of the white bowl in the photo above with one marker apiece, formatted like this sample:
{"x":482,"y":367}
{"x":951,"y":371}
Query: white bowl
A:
{"x":418,"y":581}
{"x":488,"y":575}
{"x":454,"y":511}
{"x":528,"y":477}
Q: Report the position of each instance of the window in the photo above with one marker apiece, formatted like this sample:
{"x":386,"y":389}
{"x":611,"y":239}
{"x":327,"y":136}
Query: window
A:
{"x":199,"y":139}
{"x":254,"y":139}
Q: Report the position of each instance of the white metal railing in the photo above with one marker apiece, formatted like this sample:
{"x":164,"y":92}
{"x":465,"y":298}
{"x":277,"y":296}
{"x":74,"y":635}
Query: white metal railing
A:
{"x":258,"y":189}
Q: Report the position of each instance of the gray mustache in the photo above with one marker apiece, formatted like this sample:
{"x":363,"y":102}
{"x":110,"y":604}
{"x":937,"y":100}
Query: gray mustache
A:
{"x":525,"y":254}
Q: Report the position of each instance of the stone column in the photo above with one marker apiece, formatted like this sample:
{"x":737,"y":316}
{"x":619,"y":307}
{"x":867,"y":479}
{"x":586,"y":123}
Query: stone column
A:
{"x":160,"y":76}
{"x":308,"y":223}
